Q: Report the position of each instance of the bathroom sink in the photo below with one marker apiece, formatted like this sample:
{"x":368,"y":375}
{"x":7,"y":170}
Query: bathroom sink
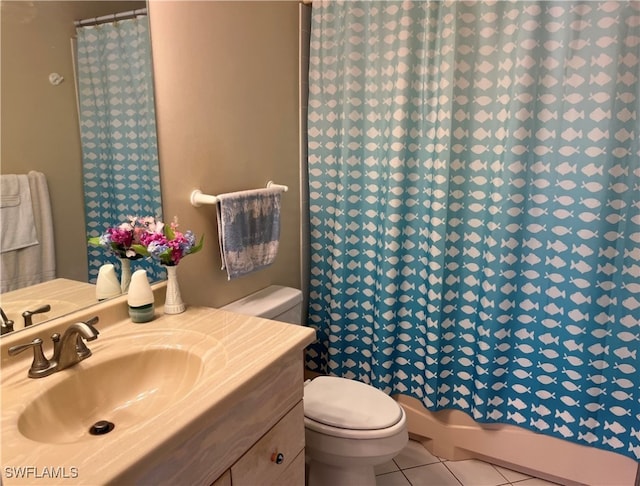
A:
{"x":186,"y":393}
{"x":124,"y":390}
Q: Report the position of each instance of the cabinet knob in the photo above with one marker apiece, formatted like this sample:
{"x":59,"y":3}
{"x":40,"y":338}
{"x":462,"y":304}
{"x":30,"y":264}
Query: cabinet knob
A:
{"x":277,"y":457}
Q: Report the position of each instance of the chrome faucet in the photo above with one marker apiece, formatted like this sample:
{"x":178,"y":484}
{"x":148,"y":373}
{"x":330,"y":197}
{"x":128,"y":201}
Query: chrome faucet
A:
{"x":6,"y":324}
{"x":68,"y":349}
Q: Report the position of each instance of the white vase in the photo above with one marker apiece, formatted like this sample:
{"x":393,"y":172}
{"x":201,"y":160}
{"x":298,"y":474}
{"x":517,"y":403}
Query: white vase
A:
{"x":125,"y":274}
{"x":173,"y":301}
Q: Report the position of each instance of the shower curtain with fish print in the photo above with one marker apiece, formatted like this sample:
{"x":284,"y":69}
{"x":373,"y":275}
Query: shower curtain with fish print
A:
{"x":118,"y":131}
{"x":474,"y":193}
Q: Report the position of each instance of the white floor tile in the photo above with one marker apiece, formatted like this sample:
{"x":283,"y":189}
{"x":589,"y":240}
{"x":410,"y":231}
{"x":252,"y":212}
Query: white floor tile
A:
{"x":392,"y":479}
{"x":414,"y":454}
{"x":476,"y":473}
{"x":385,"y":468}
{"x":416,"y":466}
{"x":431,"y":475}
{"x":511,"y":475}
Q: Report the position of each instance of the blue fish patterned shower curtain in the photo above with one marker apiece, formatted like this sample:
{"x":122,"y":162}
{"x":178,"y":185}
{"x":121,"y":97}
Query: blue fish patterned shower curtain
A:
{"x":117,"y":130}
{"x":474,"y":183}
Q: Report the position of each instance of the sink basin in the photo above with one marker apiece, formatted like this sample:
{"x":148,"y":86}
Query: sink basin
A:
{"x":124,"y":390}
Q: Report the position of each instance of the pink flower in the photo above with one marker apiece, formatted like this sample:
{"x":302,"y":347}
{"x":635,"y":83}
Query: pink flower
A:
{"x":148,"y":237}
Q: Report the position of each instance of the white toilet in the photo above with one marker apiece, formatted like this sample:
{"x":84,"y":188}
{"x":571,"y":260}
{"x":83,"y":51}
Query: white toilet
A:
{"x":350,"y":426}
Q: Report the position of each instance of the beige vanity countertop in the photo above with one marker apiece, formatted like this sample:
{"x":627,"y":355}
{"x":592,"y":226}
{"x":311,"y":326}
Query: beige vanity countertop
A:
{"x":243,"y":348}
{"x":63,"y":295}
{"x":56,"y":289}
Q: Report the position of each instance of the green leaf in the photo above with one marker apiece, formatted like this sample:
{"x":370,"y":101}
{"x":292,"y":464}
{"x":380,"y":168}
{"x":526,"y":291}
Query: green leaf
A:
{"x":198,"y":247}
{"x":140,"y":250}
{"x":168,"y":232}
{"x":94,"y":241}
{"x":165,"y":255}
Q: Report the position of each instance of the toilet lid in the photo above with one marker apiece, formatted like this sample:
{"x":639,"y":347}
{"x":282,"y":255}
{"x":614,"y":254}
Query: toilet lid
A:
{"x":349,"y":404}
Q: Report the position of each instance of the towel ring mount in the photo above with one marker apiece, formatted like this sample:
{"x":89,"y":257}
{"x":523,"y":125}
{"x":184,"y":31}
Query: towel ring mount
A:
{"x":198,"y":198}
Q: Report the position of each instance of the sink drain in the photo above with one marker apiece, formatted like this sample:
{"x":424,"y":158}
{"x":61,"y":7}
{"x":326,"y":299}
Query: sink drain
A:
{"x":101,"y":427}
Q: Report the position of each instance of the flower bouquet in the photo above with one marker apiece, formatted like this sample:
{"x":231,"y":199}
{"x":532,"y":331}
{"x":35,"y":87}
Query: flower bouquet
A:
{"x":149,"y":238}
{"x":120,"y":240}
{"x":167,"y":245}
{"x":164,"y":242}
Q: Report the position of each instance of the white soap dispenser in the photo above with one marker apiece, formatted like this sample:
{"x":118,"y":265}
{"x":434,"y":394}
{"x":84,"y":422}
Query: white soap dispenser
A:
{"x":107,"y":284}
{"x":140,"y":298}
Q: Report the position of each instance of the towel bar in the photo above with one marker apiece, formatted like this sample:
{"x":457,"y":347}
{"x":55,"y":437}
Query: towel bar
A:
{"x":198,"y":198}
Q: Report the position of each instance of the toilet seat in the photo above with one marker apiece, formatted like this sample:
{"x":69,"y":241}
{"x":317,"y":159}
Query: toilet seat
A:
{"x":351,"y":409}
{"x":341,"y":433}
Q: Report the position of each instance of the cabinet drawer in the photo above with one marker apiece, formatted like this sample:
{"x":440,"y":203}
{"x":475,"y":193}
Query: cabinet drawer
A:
{"x":294,"y":474}
{"x":259,"y":465}
{"x":224,"y":480}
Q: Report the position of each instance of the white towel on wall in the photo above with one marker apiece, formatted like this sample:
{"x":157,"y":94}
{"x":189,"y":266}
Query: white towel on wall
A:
{"x":17,"y":225}
{"x":248,"y":230}
{"x":36,"y":263}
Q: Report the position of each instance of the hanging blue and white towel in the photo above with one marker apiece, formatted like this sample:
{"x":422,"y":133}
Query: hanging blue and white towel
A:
{"x":248,"y":230}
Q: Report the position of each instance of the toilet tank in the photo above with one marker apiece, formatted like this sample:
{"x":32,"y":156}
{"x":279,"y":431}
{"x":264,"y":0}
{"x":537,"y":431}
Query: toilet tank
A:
{"x":275,"y":302}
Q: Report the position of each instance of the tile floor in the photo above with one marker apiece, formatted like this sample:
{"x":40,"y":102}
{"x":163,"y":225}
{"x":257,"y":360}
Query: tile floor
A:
{"x":415,"y":466}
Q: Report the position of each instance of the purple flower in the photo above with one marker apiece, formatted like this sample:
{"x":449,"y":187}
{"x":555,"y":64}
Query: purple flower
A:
{"x":149,"y":237}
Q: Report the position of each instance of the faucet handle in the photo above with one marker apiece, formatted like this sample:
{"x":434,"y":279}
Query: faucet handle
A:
{"x":55,"y":339}
{"x":28,"y":315}
{"x":6,"y":327}
{"x":40,"y":366}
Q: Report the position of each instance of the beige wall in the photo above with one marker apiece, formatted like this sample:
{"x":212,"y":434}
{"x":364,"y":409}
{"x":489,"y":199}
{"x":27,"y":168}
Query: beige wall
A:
{"x":227,"y":96}
{"x":226,"y":86}
{"x":38,"y":121}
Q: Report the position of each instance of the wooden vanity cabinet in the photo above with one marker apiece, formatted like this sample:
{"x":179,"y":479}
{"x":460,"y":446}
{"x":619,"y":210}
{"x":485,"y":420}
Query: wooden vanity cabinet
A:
{"x":277,"y":456}
{"x":276,"y":459}
{"x":224,"y":480}
{"x":274,"y":456}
